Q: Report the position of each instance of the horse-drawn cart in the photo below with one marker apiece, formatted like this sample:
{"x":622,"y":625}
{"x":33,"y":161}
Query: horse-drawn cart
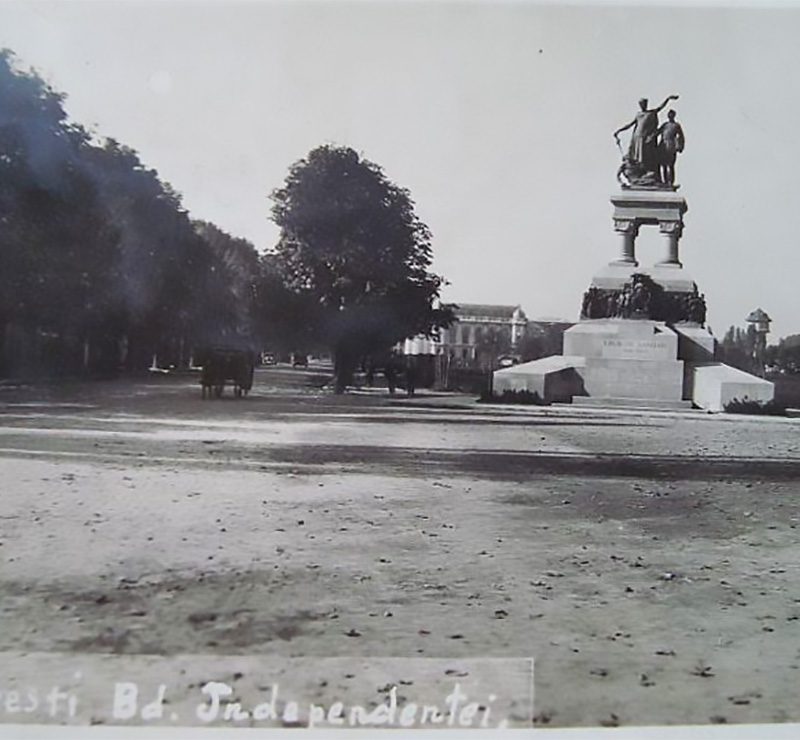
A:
{"x":226,"y":366}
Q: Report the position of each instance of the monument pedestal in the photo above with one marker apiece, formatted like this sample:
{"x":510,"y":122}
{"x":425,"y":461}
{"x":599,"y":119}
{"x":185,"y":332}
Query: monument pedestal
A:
{"x":637,"y":364}
{"x":613,"y":362}
{"x":641,"y":341}
{"x":627,"y":358}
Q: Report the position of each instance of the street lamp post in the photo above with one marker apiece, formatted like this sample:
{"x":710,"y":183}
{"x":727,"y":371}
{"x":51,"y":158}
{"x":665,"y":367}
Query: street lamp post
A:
{"x":760,"y":322}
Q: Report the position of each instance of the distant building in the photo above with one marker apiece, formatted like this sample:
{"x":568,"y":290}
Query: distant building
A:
{"x":481,"y":337}
{"x":483,"y":329}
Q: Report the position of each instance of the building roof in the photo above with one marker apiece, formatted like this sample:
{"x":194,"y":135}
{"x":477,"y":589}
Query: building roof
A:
{"x":550,"y":320}
{"x":474,"y":310}
{"x":758,"y":315}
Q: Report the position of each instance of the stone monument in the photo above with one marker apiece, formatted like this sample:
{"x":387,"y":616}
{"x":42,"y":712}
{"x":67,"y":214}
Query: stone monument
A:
{"x":641,"y":339}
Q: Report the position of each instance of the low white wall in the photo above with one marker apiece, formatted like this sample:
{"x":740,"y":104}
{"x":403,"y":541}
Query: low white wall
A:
{"x":713,"y":385}
{"x":554,"y":378}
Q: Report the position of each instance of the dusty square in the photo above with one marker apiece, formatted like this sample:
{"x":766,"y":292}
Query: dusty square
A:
{"x":646,"y":561}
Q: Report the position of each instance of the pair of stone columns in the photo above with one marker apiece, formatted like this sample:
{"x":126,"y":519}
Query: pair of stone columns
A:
{"x":629,"y":230}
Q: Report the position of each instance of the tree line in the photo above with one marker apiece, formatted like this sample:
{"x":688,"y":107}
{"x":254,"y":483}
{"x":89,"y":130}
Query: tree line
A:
{"x":738,"y":348}
{"x":101,"y":266}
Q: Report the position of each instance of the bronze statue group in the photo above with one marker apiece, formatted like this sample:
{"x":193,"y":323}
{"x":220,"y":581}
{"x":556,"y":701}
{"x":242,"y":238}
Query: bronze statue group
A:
{"x":642,"y":298}
{"x":653,"y":149}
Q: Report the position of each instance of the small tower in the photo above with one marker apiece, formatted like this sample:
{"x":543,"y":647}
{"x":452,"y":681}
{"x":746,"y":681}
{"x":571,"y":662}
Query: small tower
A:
{"x":760,"y":321}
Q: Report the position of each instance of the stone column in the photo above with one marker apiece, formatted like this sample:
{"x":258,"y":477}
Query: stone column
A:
{"x":671,"y":230}
{"x":629,"y":230}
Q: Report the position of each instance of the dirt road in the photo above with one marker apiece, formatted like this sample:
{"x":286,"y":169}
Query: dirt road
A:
{"x":648,"y":562}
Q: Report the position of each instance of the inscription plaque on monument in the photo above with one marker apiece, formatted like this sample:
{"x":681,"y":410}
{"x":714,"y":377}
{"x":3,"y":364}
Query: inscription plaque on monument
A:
{"x":637,"y":349}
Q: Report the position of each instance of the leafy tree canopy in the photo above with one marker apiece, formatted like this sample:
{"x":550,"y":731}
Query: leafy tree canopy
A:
{"x":352,"y":248}
{"x":96,"y":251}
{"x":785,"y":355}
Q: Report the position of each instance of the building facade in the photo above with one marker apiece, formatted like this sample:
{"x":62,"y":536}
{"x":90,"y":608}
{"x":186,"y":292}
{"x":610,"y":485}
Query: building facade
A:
{"x":482,"y":331}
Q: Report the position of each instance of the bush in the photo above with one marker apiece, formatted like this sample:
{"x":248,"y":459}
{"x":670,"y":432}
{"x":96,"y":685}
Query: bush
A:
{"x":760,"y":408}
{"x":469,"y":380}
{"x":521,"y":397}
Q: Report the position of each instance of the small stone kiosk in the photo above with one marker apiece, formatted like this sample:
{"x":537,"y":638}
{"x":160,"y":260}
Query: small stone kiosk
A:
{"x":641,"y":340}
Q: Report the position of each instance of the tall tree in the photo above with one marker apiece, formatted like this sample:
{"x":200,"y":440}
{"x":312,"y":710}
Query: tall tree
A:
{"x":96,"y":251}
{"x":737,"y":346}
{"x":57,"y":250}
{"x":285,"y":319}
{"x":357,"y":256}
{"x":542,"y":339}
{"x":232,"y":286}
{"x":785,"y":355}
{"x":491,"y":344}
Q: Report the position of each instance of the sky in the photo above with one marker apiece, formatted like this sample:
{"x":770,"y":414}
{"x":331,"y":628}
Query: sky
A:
{"x":496,"y":116}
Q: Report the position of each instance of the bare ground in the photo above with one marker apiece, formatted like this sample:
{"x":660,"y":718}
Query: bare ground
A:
{"x":648,"y":562}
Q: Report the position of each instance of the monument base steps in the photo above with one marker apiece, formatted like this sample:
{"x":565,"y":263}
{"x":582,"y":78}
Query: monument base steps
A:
{"x":643,"y":404}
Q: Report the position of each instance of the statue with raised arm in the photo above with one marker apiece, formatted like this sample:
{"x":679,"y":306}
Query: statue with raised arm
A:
{"x":641,"y":165}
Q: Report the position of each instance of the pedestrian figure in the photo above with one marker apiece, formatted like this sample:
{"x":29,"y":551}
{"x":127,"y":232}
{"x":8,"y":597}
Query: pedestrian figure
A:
{"x":411,"y":374}
{"x":390,"y":372}
{"x":370,"y":371}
